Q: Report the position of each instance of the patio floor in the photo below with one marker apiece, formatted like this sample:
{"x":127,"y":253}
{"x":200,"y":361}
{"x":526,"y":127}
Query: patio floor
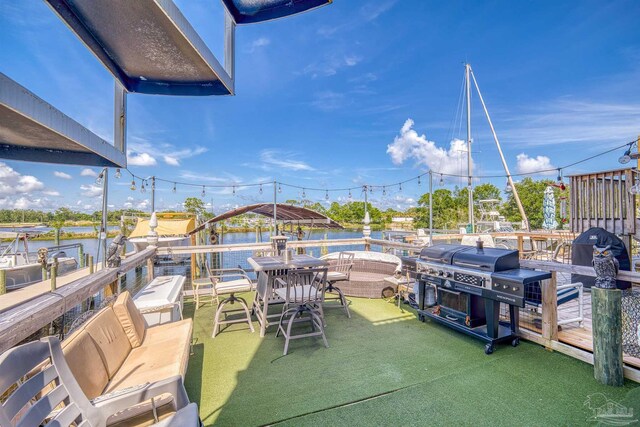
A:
{"x":384,"y":367}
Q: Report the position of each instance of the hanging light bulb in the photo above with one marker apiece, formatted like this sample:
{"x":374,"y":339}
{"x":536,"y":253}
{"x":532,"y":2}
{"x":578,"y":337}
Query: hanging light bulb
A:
{"x":626,"y":157}
{"x":133,"y":185}
{"x":142,"y":189}
{"x":203,"y":192}
{"x":326,"y":194}
{"x":419,"y":180}
{"x":234,"y":190}
{"x":260,"y":191}
{"x":174,"y":188}
{"x":279,"y":188}
{"x":304,"y":194}
{"x":118,"y":174}
{"x":99,"y":178}
{"x":384,"y":191}
{"x":400,"y":187}
{"x":350,"y":196}
{"x":371,"y":189}
{"x":441,"y":180}
{"x":508,"y":188}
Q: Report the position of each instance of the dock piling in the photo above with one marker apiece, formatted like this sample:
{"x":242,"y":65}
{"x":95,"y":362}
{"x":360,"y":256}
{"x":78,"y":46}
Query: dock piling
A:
{"x":54,"y":273}
{"x":606,"y":306}
{"x":3,"y":282}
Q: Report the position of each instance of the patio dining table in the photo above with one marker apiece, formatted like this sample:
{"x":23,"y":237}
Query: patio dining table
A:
{"x":268,"y":269}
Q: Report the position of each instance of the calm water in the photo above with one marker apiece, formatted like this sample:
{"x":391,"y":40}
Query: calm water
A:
{"x":90,"y":246}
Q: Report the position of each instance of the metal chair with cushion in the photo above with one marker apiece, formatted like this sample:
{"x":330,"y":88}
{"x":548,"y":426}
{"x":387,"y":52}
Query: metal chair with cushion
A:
{"x":240,"y":282}
{"x":340,"y":272}
{"x":40,"y":389}
{"x":303,"y":295}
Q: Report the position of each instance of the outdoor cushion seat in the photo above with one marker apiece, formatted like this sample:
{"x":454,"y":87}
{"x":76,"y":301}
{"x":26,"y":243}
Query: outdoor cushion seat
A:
{"x":103,"y":359}
{"x":336,"y":276}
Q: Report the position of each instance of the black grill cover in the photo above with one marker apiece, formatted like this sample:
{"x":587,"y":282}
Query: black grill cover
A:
{"x":582,"y":254}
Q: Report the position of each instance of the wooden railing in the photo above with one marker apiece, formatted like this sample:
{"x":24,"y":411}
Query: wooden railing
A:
{"x":19,"y":322}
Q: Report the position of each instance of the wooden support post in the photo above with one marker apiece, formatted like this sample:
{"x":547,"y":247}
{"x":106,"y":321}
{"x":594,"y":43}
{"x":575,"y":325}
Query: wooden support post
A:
{"x":54,"y":274}
{"x":149,"y":269}
{"x":90,"y":264}
{"x":520,"y":244}
{"x":3,"y":282}
{"x":44,"y":273}
{"x":81,"y":256}
{"x":550,"y":310}
{"x":606,"y":307}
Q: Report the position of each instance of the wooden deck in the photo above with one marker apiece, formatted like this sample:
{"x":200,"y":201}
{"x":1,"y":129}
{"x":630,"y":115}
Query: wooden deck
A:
{"x":13,"y":298}
{"x":572,"y":333}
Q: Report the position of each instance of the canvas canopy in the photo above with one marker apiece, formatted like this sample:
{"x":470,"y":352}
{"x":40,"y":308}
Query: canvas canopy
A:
{"x":166,"y":227}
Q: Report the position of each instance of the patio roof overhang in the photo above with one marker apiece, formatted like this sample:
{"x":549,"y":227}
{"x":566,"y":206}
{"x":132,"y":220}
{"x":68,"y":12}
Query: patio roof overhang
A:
{"x":148,"y":46}
{"x":285,"y":213}
{"x":254,"y":11}
{"x":33,"y":130}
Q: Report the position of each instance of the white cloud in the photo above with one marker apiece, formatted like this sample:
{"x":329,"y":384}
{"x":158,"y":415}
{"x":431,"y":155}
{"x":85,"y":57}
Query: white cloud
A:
{"x":142,"y":159}
{"x":534,"y":165}
{"x":13,"y":182}
{"x":88,"y":172}
{"x":51,"y":193}
{"x":330,"y":64}
{"x":258,"y":43}
{"x":409,"y":145}
{"x":62,"y":175}
{"x":142,"y":153}
{"x":574,"y":121}
{"x":329,"y":101}
{"x":374,"y":9}
{"x":171,"y":161}
{"x":91,"y":190}
{"x":283,"y":160}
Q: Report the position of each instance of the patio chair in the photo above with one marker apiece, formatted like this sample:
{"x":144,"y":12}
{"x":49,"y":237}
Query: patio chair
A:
{"x":240,"y":282}
{"x":303,"y":294}
{"x":340,"y":272}
{"x":40,"y":389}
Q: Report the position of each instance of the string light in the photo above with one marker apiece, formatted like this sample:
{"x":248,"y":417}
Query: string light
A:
{"x":234,"y":190}
{"x":508,"y":188}
{"x":118,"y":174}
{"x":279,"y":188}
{"x":203,"y":194}
{"x":142,"y":189}
{"x":99,"y":178}
{"x":350,"y":196}
{"x":384,"y":191}
{"x":400,"y":187}
{"x":419,"y":180}
{"x":326,"y":195}
{"x":304,"y":194}
{"x":133,"y":185}
{"x":626,"y":157}
{"x":441,"y":180}
{"x":260,"y":189}
{"x":174,"y":188}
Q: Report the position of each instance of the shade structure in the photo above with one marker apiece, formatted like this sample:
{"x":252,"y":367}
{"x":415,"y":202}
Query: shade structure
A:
{"x":148,"y":46}
{"x":549,"y":210}
{"x":33,"y":130}
{"x":253,"y":11}
{"x":286,"y":213}
{"x":168,"y":225}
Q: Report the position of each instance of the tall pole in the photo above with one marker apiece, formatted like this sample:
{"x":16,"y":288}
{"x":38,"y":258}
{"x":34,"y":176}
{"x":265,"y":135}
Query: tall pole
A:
{"x":103,"y":232}
{"x":469,"y":165}
{"x":366,"y":209}
{"x":153,"y":194}
{"x":525,"y":220}
{"x":275,"y":207}
{"x":430,"y":207}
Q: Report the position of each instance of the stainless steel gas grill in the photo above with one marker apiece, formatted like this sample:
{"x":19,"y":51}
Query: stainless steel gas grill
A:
{"x":471,"y":282}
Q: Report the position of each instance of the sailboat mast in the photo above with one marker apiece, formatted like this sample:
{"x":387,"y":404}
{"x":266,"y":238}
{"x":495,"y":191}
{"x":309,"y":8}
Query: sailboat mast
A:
{"x":523,"y":214}
{"x":469,"y":164}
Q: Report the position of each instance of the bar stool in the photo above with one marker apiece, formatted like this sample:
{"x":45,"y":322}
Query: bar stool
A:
{"x":240,"y":283}
{"x":203,"y":283}
{"x":340,"y":272}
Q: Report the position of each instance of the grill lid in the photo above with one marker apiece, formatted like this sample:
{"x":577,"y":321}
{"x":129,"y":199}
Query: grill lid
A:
{"x":487,"y":259}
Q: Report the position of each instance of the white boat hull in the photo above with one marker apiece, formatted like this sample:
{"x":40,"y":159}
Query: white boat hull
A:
{"x":24,"y":275}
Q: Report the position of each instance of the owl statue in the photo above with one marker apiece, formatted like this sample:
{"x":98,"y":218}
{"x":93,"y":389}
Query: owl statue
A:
{"x":114,"y":250}
{"x":606,"y":266}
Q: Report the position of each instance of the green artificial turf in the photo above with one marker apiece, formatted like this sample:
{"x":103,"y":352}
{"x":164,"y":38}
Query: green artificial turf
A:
{"x":384,"y":367}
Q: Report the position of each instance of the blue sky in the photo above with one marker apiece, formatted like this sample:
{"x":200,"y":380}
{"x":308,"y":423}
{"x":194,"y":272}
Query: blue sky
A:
{"x":356,"y":92}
